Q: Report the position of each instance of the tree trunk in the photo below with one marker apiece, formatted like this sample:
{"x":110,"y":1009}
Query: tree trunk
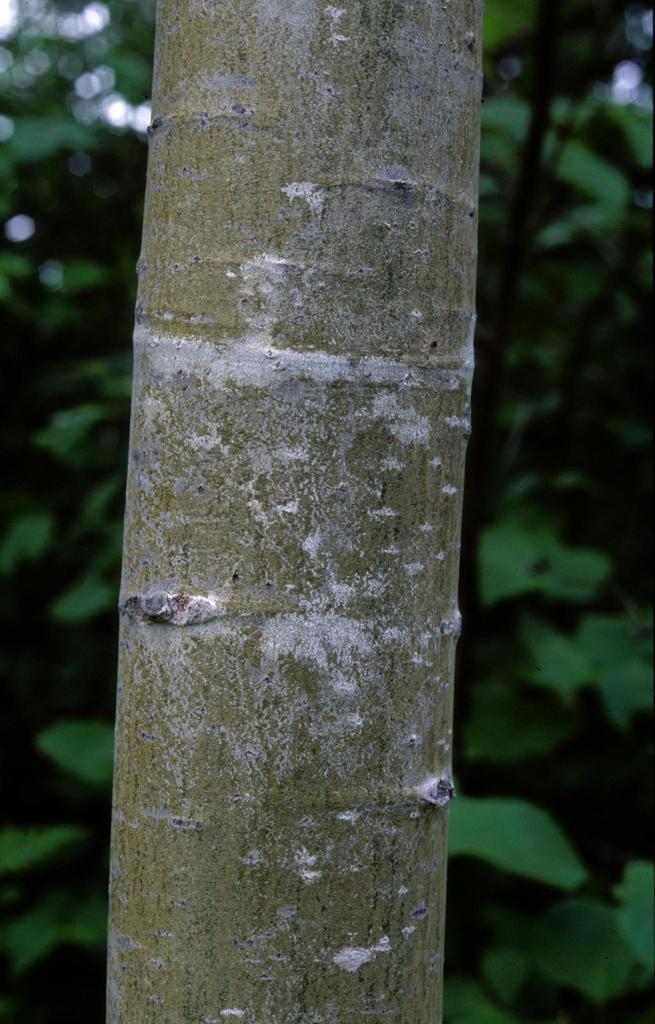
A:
{"x":289,"y":595}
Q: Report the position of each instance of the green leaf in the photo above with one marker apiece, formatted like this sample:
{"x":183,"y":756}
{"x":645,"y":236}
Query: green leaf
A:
{"x":8,"y":1010}
{"x":36,"y":138}
{"x":516,"y":836}
{"x":76,"y":916}
{"x":22,"y":848}
{"x":637,"y":127}
{"x":620,"y":656}
{"x":9,"y":894}
{"x":571,"y":574}
{"x":556,"y":234}
{"x":133,"y":74}
{"x":488,"y":186}
{"x":94,"y":507}
{"x":497,"y":153}
{"x":88,"y":597}
{"x":30,"y":937}
{"x":506,"y":724}
{"x":506,"y":19}
{"x":68,"y":428}
{"x":516,"y":558}
{"x":592,"y":175}
{"x":506,"y":970}
{"x":509,"y":928}
{"x":26,"y":539}
{"x":14,"y":264}
{"x":508,"y":556}
{"x":554,"y":659}
{"x":580,"y":945}
{"x":508,"y":115}
{"x":589,"y":220}
{"x":465,"y":1003}
{"x":637,"y":910}
{"x":81,"y":275}
{"x":84,"y":748}
{"x":87,"y":924}
{"x":631,"y":432}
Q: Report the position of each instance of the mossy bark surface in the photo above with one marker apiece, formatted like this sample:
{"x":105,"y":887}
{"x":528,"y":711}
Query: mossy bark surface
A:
{"x":289,"y":594}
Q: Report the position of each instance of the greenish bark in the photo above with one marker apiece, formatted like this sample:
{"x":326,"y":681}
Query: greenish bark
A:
{"x":289,"y":594}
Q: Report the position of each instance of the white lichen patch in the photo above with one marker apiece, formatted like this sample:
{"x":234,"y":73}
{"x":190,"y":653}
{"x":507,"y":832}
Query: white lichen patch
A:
{"x":155,"y":962}
{"x":229,"y":1011}
{"x":391,"y":463}
{"x":391,"y":634}
{"x":207,"y":443}
{"x":343,"y":684}
{"x":382,"y":513}
{"x":351,"y":958}
{"x":461,"y":422}
{"x":156,"y":813}
{"x":350,"y":816}
{"x":304,"y":862}
{"x":266,"y":262}
{"x":262,"y":278}
{"x":403,"y":421}
{"x":123,"y":942}
{"x":335,"y":14}
{"x":253,"y":858}
{"x":290,"y":507}
{"x":312,"y":543}
{"x":317,"y":639}
{"x":295,"y":19}
{"x":291,"y":455}
{"x":395,"y":172}
{"x":312,"y":195}
{"x":341,"y":593}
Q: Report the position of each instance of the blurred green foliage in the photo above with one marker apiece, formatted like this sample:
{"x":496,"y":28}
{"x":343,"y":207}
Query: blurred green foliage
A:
{"x":551,"y":880}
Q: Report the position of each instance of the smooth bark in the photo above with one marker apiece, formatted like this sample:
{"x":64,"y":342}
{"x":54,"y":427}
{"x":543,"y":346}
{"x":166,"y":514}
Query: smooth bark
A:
{"x":289,"y":595}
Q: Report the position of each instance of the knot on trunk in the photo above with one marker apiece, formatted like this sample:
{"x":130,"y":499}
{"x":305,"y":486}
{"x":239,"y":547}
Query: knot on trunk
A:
{"x":437,"y":790}
{"x":177,"y":609}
